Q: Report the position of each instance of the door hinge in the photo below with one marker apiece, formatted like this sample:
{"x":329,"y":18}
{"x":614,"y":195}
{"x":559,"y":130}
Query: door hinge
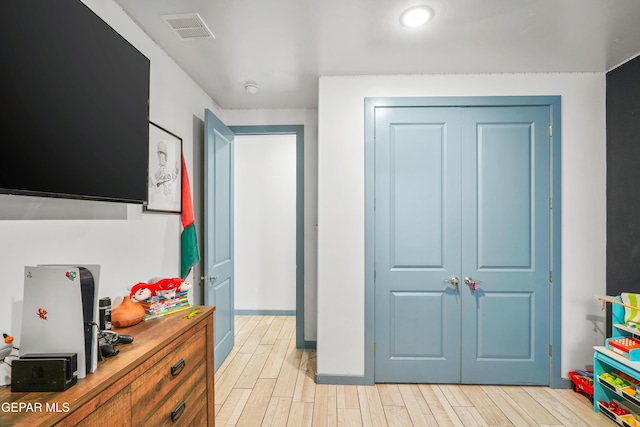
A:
{"x":550,"y":276}
{"x":550,"y":203}
{"x":375,"y":346}
{"x":375,"y":273}
{"x":550,"y":131}
{"x":550,"y":350}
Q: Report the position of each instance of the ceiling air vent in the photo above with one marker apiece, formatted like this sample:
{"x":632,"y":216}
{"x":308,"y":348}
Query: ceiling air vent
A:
{"x":188,"y":26}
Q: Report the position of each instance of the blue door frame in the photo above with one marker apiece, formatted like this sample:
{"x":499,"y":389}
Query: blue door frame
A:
{"x":553,"y":102}
{"x":298,"y":131}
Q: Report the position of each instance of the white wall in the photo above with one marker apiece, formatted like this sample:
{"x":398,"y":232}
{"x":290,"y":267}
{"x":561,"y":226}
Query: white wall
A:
{"x":130,"y":246}
{"x":340,"y":340}
{"x":265,"y":222}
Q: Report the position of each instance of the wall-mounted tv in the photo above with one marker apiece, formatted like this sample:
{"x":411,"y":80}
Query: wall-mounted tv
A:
{"x":75,"y":93}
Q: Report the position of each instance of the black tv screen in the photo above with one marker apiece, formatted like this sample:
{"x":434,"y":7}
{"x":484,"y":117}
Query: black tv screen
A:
{"x":75,"y":96}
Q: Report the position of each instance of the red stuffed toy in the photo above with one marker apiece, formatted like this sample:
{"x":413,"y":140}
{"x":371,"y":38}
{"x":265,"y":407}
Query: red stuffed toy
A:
{"x":142,"y":291}
{"x":166,"y":288}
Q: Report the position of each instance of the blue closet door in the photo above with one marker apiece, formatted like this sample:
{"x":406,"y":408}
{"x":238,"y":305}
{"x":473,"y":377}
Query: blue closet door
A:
{"x":506,"y":245}
{"x":417,"y":245}
{"x":462,"y":193}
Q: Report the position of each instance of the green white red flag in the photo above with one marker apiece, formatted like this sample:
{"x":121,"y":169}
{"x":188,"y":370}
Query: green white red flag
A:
{"x":189,"y":251}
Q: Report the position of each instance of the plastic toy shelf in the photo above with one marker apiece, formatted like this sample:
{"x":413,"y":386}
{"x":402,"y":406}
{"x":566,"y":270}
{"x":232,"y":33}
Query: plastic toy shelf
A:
{"x":616,"y":381}
{"x":626,"y":328}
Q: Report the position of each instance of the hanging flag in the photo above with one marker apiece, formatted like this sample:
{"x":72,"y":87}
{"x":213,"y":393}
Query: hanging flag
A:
{"x":189,"y":252}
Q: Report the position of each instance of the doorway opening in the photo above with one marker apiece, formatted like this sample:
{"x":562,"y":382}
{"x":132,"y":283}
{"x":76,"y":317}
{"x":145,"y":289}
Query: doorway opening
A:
{"x":264,"y":224}
{"x":297,"y":131}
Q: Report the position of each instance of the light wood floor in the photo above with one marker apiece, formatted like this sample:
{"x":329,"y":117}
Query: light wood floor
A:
{"x":266,"y":381}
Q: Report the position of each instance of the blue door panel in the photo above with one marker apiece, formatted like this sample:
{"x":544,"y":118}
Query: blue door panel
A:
{"x":411,"y":309}
{"x":222,"y":191}
{"x":218,"y":244}
{"x":224,"y":312}
{"x":505,"y":183}
{"x":498,"y":339}
{"x":417,"y":220}
{"x":416,"y":193}
{"x":505,"y":197}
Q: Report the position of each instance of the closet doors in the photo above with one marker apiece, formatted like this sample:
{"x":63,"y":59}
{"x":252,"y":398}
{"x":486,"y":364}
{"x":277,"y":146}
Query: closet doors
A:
{"x":462,"y":245}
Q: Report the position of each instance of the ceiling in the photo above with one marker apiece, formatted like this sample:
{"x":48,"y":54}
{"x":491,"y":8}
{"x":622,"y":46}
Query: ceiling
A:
{"x":283,"y":46}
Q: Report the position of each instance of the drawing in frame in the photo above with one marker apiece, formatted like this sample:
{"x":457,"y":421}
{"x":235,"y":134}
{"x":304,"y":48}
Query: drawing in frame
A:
{"x":164,"y":190}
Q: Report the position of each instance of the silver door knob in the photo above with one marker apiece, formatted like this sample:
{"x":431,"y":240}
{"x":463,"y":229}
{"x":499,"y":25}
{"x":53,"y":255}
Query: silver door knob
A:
{"x":471,"y":283}
{"x":454,"y":282}
{"x":210,"y":277}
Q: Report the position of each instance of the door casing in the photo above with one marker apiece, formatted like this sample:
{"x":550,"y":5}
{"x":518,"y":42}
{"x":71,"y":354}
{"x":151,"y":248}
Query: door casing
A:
{"x":553,"y":102}
{"x":298,"y":131}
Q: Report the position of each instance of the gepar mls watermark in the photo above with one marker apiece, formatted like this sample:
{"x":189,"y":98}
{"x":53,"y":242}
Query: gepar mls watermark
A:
{"x":18,"y":407}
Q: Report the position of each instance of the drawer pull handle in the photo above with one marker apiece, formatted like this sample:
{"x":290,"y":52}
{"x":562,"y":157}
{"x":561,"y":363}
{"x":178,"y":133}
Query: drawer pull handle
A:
{"x":177,"y":411}
{"x":178,"y":367}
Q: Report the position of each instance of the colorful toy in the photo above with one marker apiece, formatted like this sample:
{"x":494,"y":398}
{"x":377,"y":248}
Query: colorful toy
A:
{"x":627,"y":346}
{"x":142,"y":291}
{"x":167,"y":288}
{"x":6,"y":345}
{"x":582,"y":382}
{"x":614,"y":407}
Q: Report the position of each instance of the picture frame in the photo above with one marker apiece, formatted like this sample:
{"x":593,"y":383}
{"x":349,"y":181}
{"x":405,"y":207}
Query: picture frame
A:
{"x":164,"y":183}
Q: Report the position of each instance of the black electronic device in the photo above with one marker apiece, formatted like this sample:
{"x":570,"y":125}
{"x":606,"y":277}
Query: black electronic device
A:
{"x":108,"y":350}
{"x":108,"y":341}
{"x":42,"y":372}
{"x":76,"y":96}
{"x":124,"y":339}
{"x":113,"y":338}
{"x":70,"y":358}
{"x":87,"y":291}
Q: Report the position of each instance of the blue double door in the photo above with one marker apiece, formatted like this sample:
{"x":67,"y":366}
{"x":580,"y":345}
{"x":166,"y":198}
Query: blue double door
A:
{"x":462,"y":245}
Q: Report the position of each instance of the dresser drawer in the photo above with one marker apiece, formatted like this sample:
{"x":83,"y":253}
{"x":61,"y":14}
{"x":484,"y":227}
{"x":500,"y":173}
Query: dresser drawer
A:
{"x":183,"y":406}
{"x":160,"y":385}
{"x":116,"y":411}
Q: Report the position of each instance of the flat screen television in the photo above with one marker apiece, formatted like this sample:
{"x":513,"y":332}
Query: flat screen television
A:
{"x":75,"y":93}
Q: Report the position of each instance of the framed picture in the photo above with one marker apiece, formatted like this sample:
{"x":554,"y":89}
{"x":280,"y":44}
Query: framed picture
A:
{"x":165,"y":171}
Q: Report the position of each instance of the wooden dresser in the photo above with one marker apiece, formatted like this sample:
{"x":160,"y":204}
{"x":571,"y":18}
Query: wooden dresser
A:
{"x":165,"y":377}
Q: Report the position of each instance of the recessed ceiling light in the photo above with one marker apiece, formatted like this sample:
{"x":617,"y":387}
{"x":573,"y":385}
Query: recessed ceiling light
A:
{"x":416,"y":16}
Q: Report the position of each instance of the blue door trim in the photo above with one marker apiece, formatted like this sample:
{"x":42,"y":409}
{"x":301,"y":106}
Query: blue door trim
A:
{"x":553,"y":102}
{"x":298,"y":131}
